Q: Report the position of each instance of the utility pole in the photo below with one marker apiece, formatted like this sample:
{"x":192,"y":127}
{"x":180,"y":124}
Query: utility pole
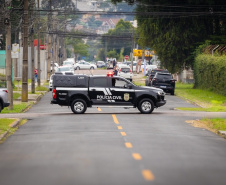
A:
{"x":24,"y":96}
{"x":131,"y":55}
{"x":39,"y":70}
{"x":32,"y":62}
{"x":49,"y":43}
{"x":8,"y":56}
{"x":32,"y":54}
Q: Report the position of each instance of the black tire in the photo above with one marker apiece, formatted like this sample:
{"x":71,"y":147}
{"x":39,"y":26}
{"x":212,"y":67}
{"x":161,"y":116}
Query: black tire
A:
{"x":1,"y":107}
{"x":78,"y":106}
{"x":77,"y":68}
{"x":91,"y":67}
{"x":172,"y":92}
{"x":146,"y":106}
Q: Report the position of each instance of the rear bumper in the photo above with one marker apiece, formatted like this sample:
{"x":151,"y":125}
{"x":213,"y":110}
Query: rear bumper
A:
{"x":164,"y":88}
{"x":160,"y":103}
{"x":53,"y":101}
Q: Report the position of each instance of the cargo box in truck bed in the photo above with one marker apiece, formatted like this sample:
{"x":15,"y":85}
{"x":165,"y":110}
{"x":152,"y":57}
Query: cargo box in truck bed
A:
{"x":70,"y":81}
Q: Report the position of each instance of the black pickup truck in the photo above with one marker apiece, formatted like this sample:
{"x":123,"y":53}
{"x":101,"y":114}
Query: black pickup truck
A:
{"x":82,"y":91}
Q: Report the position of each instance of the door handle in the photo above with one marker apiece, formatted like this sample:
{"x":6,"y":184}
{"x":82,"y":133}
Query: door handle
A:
{"x":113,"y":90}
{"x":93,"y":90}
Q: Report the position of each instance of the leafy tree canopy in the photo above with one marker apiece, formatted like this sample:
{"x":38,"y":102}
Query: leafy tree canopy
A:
{"x":175,"y":28}
{"x":123,"y":30}
{"x":79,"y":47}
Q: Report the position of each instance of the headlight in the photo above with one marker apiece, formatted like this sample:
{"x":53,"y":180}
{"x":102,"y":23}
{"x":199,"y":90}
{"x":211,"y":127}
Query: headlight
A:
{"x":161,"y":93}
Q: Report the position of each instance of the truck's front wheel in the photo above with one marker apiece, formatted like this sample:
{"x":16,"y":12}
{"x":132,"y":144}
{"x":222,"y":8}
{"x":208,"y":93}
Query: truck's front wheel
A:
{"x":78,"y":106}
{"x":146,"y":106}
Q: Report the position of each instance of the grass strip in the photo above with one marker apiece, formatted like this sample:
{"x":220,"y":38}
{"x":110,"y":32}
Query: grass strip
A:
{"x":17,"y":108}
{"x":5,"y":125}
{"x":207,"y":100}
{"x":215,"y":123}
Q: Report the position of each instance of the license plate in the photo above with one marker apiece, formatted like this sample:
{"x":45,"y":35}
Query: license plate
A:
{"x":163,"y":87}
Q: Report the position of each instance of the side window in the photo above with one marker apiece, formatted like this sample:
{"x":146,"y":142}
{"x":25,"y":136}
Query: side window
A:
{"x":100,"y":82}
{"x":119,"y":83}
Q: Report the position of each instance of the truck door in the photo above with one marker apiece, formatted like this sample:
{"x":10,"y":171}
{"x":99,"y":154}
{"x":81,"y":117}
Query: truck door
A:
{"x":122,"y":91}
{"x":97,"y":90}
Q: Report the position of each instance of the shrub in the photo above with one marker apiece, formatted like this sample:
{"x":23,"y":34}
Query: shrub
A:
{"x":210,"y":73}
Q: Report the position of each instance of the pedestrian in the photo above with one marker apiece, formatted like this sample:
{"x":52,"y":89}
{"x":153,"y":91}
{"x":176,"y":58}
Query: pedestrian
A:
{"x":114,"y":63}
{"x":138,"y":66}
{"x":115,"y":71}
{"x":36,"y":75}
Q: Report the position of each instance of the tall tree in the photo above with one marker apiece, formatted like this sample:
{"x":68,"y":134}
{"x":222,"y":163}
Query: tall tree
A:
{"x":120,"y":36}
{"x":175,"y":28}
{"x":79,"y":47}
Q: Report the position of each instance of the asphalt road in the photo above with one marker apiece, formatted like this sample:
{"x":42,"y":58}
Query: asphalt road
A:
{"x":112,"y":146}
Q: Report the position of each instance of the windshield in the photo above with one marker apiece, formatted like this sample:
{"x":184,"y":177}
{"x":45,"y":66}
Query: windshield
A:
{"x":64,"y":69}
{"x":67,"y":63}
{"x":125,"y":70}
{"x":164,"y":76}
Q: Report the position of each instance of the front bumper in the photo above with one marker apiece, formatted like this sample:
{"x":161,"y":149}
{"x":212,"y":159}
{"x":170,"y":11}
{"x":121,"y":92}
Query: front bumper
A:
{"x":160,"y":103}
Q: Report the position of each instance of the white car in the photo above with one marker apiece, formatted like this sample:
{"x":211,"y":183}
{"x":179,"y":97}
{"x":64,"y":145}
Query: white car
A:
{"x":84,"y":65}
{"x":4,"y":102}
{"x":147,"y":67}
{"x":65,"y":69}
{"x":68,"y":63}
{"x":55,"y":66}
{"x":51,"y":83}
{"x":126,"y":72}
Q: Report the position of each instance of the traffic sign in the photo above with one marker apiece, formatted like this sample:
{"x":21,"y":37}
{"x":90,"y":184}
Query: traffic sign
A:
{"x":126,"y":57}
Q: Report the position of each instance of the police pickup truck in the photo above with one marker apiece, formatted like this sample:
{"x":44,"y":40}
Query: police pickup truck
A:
{"x":82,"y":91}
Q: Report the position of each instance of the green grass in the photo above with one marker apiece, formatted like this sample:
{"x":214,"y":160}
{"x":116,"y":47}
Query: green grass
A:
{"x":16,"y":95}
{"x":208,"y":100}
{"x":4,"y":125}
{"x":41,"y":88}
{"x":138,"y":83}
{"x":17,"y":108}
{"x":215,"y":123}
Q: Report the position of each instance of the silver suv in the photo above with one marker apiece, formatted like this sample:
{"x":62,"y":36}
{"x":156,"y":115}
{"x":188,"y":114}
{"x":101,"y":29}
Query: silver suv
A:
{"x":3,"y":98}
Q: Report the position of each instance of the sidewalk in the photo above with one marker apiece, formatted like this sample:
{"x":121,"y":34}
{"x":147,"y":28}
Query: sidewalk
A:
{"x":31,"y":97}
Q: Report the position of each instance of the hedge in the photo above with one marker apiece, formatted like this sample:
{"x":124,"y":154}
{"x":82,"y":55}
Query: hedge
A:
{"x":210,"y":73}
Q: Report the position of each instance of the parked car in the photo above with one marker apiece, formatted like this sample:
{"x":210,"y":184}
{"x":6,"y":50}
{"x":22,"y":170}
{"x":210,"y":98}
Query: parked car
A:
{"x":164,"y":81}
{"x":126,"y":72}
{"x":100,"y":64}
{"x":84,"y":65}
{"x":51,"y":83}
{"x":68,"y":63}
{"x":151,"y":74}
{"x":4,"y":102}
{"x":65,"y":69}
{"x":55,"y":66}
{"x":149,"y":67}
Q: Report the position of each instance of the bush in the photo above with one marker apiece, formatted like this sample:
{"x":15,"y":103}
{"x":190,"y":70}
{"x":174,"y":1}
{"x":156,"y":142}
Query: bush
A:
{"x":210,"y":73}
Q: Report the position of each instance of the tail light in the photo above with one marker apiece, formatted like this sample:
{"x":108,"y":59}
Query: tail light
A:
{"x":131,"y":72}
{"x":54,"y":94}
{"x":172,"y":81}
{"x":6,"y":91}
{"x":119,"y":70}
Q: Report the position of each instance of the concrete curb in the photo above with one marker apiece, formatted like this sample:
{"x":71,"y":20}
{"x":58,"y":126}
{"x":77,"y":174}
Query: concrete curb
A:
{"x":12,"y":125}
{"x":222,"y":133}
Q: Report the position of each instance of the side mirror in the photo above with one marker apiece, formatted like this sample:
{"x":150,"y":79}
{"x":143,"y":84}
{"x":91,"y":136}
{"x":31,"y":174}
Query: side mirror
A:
{"x":130,"y":86}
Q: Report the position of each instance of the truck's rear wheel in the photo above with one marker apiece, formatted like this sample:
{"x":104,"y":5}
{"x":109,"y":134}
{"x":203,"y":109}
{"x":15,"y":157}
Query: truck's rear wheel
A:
{"x":78,"y":106}
{"x":146,"y":106}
